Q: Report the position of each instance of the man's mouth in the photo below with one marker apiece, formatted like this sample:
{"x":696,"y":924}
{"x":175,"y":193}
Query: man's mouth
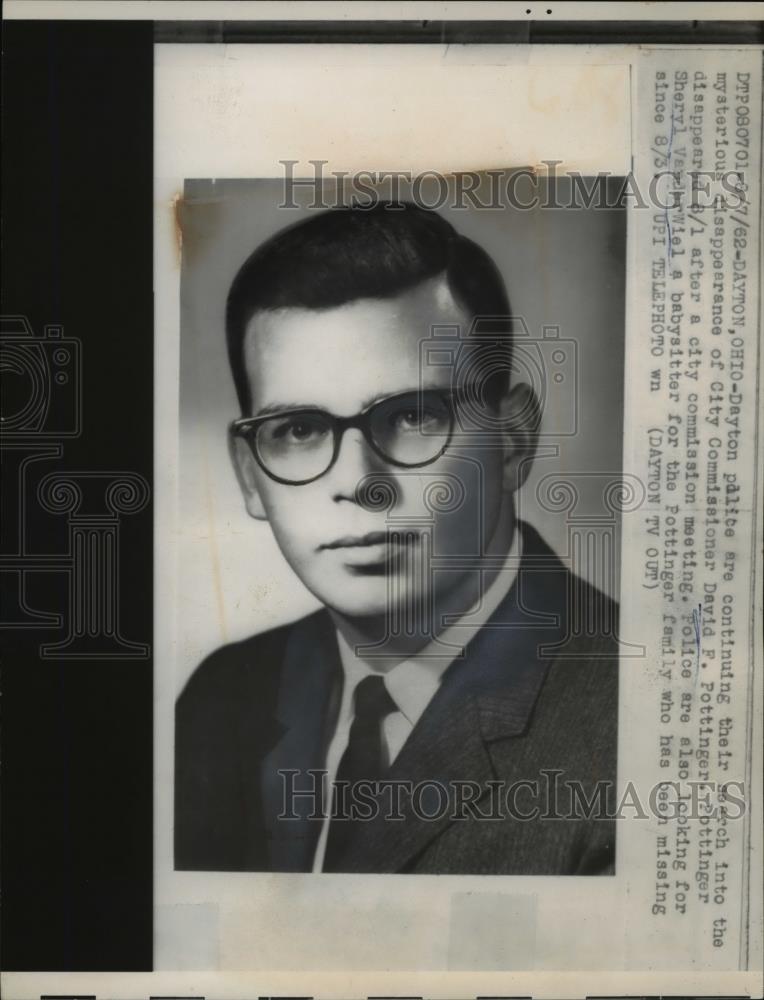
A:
{"x":360,"y":541}
{"x":374,"y":551}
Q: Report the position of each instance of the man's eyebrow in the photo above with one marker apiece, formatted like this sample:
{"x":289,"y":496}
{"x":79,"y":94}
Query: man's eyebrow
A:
{"x":371,"y":400}
{"x":276,"y":408}
{"x":414,"y":391}
{"x":273,"y":409}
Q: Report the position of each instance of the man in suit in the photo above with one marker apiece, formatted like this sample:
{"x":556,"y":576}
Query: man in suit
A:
{"x":453,"y":706}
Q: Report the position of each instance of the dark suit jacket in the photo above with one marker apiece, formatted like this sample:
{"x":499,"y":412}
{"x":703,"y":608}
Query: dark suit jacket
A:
{"x":535,"y":692}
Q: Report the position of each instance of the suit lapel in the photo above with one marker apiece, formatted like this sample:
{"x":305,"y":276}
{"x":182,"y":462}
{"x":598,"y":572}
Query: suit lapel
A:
{"x":306,"y":715}
{"x":487,"y":695}
{"x":445,"y":747}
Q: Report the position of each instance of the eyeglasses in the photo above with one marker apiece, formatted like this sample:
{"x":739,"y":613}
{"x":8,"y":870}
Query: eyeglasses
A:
{"x":295,"y":447}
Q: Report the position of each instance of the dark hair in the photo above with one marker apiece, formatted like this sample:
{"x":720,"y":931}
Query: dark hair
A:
{"x":350,"y":253}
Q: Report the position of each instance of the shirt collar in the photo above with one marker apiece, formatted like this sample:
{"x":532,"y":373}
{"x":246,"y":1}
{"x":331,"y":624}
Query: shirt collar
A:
{"x":413,"y":682}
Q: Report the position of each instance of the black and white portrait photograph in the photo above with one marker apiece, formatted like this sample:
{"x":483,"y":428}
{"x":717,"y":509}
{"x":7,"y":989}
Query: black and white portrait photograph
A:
{"x":401,"y":447}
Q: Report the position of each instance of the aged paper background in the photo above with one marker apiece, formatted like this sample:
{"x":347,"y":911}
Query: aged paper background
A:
{"x":529,"y":105}
{"x":235,"y":112}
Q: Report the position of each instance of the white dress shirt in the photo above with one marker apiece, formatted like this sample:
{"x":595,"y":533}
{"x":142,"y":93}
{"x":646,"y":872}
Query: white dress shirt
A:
{"x":411,"y":684}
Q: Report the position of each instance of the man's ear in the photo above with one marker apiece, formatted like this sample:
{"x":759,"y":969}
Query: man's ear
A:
{"x":520,"y":418}
{"x":245,"y":467}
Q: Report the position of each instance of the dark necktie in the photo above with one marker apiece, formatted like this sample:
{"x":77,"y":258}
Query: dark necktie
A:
{"x":365,"y":759}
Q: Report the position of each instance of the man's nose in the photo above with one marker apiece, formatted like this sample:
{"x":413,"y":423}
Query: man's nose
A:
{"x":355,"y":462}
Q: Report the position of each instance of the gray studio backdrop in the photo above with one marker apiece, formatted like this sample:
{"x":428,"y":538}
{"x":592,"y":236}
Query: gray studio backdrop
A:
{"x":564,"y":268}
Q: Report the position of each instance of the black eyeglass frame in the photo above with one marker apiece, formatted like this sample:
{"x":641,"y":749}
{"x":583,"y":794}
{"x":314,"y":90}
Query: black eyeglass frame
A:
{"x":244,"y":426}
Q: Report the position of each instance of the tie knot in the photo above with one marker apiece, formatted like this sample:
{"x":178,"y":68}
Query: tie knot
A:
{"x":372,"y":700}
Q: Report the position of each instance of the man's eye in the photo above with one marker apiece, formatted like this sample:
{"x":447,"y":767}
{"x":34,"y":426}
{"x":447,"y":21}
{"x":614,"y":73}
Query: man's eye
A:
{"x":414,"y":419}
{"x":299,"y":431}
{"x":408,"y":418}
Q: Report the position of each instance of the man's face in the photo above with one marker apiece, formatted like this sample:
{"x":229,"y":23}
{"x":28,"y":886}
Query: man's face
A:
{"x":340,"y":360}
